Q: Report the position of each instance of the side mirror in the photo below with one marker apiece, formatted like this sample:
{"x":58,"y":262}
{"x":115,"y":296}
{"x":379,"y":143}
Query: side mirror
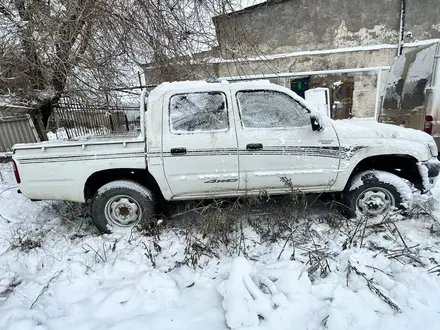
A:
{"x":316,"y":120}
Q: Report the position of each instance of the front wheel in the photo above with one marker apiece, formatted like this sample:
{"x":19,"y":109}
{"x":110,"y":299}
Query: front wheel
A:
{"x":121,"y":205}
{"x":376,"y":193}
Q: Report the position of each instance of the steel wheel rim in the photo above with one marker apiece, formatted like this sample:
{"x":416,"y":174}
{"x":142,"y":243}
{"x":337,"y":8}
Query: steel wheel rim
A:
{"x":123,"y":211}
{"x":375,"y":201}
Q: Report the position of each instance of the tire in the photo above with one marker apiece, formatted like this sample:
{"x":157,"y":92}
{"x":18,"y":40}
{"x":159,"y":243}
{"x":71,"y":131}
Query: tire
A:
{"x":375,"y":193}
{"x":121,"y":205}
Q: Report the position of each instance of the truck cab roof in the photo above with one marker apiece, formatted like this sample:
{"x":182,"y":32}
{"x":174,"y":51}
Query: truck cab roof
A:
{"x":203,"y":85}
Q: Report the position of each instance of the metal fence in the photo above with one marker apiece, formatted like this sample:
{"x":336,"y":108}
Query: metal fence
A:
{"x":80,"y":118}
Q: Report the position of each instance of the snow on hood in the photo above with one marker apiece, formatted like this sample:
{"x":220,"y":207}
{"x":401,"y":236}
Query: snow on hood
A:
{"x":349,"y":129}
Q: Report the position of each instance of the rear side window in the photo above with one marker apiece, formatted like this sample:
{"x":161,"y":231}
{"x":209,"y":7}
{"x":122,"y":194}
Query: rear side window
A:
{"x":198,"y":112}
{"x":270,"y":109}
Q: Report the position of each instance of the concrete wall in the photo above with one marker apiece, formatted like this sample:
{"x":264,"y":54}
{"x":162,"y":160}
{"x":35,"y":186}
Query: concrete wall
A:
{"x":300,"y":25}
{"x":308,"y":25}
{"x":364,"y":95}
{"x":423,"y":19}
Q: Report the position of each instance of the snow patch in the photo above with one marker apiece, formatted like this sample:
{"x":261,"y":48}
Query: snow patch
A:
{"x":60,"y":134}
{"x":428,"y":183}
{"x":268,"y":296}
{"x":239,"y":306}
{"x":371,"y":119}
{"x":350,"y":129}
{"x":436,"y":27}
{"x":283,"y":297}
{"x":127,"y":184}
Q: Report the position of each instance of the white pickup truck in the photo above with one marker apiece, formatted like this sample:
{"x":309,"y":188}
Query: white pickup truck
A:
{"x":203,"y":140}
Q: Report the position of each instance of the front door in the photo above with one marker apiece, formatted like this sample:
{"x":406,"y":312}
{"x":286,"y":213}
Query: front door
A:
{"x":276,"y":142}
{"x":200,"y":152}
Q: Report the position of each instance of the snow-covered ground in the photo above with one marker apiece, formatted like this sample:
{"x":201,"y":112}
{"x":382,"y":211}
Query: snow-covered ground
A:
{"x":310,"y":271}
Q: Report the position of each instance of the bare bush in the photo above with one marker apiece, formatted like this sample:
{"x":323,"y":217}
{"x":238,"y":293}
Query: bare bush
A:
{"x":215,"y":228}
{"x":219,"y":222}
{"x":276,"y":219}
{"x":196,"y":249}
{"x":26,"y":239}
{"x":70,"y":211}
{"x":75,"y":217}
{"x":318,"y":264}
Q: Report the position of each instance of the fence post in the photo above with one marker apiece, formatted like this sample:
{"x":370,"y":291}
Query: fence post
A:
{"x":126,"y":122}
{"x":111,"y":123}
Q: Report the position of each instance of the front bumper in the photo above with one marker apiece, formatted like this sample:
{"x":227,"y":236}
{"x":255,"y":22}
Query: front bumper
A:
{"x":429,"y":172}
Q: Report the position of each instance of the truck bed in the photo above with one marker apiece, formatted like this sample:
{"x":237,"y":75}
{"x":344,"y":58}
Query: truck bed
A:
{"x":65,"y":166}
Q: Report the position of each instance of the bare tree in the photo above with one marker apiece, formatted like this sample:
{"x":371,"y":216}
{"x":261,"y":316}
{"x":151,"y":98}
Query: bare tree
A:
{"x":50,"y":46}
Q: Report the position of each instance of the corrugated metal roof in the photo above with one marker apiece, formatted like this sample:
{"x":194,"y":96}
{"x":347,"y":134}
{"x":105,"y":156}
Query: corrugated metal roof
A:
{"x":18,"y":129}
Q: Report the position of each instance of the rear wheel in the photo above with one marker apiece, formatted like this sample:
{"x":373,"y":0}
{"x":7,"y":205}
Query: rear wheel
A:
{"x":376,"y":193}
{"x":121,"y":205}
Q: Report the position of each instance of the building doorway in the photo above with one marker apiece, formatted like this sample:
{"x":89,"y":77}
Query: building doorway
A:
{"x":342,"y":100}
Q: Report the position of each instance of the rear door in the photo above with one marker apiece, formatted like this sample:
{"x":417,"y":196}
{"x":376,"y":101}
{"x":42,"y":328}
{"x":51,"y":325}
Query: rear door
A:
{"x":200,"y":153}
{"x":276,"y":142}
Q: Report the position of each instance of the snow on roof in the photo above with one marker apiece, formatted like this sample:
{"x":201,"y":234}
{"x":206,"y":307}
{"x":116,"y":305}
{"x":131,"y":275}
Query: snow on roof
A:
{"x":213,"y":60}
{"x":203,"y":85}
{"x":247,"y":6}
{"x":200,"y":84}
{"x":12,"y":110}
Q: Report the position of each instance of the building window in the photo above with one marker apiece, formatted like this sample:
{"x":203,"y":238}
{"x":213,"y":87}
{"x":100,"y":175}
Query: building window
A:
{"x":300,"y":85}
{"x":270,"y":109}
{"x":198,"y":112}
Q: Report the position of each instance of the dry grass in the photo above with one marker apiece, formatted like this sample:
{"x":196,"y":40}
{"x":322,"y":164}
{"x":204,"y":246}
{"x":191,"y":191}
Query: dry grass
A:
{"x":291,"y":223}
{"x":75,"y":217}
{"x":10,"y":287}
{"x":26,"y":239}
{"x":372,"y":286}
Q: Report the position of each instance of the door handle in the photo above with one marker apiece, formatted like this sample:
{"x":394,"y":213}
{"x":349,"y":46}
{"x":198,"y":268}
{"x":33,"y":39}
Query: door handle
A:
{"x":254,"y":146}
{"x":178,"y":151}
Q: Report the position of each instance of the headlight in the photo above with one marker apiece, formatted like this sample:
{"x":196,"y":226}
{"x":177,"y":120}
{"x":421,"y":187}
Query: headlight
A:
{"x":433,"y":149}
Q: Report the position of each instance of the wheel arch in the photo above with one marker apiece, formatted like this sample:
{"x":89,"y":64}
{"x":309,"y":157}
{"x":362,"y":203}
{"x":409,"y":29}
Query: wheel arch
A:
{"x":404,"y":166}
{"x":100,"y":178}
